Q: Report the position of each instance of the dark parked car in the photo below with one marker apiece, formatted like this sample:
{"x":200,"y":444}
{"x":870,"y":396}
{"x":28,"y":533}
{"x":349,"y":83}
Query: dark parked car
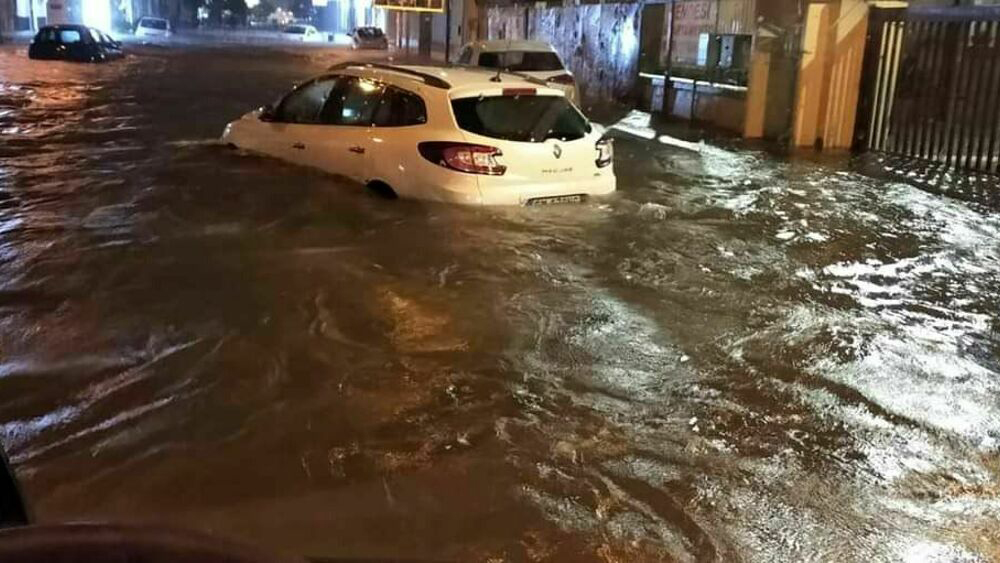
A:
{"x":74,"y":43}
{"x":112,"y":47}
{"x":369,"y":38}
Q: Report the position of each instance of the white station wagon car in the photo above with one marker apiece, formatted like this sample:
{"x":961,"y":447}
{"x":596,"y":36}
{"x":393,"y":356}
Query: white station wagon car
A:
{"x":303,"y":33}
{"x":151,"y":27}
{"x":453,"y":134}
{"x":537,"y":59}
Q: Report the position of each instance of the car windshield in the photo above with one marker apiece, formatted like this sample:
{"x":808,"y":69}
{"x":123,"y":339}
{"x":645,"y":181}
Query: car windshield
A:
{"x":524,"y":61}
{"x":524,"y":118}
{"x":154,"y":24}
{"x":296,"y":29}
{"x":369,"y":32}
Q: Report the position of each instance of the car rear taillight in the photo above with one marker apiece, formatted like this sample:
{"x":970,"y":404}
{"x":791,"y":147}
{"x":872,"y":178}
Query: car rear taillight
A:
{"x":605,"y":152}
{"x":563,"y":79}
{"x":464,"y":157}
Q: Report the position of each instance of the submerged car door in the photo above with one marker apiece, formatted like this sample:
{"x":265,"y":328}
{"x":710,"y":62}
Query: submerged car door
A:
{"x":394,"y":137}
{"x":341,"y":143}
{"x":45,"y":44}
{"x":288,"y":131}
{"x":74,"y":45}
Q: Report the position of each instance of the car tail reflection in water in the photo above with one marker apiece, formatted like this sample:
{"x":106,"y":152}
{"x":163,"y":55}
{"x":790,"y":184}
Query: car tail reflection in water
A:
{"x":735,"y":357}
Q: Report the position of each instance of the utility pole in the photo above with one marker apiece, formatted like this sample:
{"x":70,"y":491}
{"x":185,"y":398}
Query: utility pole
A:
{"x":670,"y":40}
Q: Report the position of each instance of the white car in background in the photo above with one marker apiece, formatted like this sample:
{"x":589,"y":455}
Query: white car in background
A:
{"x":454,"y":134}
{"x":303,"y":33}
{"x":537,"y":59}
{"x":153,"y":28}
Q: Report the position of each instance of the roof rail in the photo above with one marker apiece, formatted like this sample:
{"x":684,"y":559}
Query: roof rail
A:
{"x":429,"y":79}
{"x":493,"y":71}
{"x":527,"y":78}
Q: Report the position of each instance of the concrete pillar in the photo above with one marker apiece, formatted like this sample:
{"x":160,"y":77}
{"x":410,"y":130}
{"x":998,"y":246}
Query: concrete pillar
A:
{"x":850,"y":35}
{"x":470,"y":27}
{"x":760,"y":67}
{"x":829,"y":82}
{"x":811,"y":93}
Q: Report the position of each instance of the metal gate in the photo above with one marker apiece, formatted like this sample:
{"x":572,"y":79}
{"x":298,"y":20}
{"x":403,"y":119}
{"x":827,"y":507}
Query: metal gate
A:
{"x":931,"y":86}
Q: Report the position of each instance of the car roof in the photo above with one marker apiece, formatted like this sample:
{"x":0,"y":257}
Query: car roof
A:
{"x":61,"y":26}
{"x":457,"y":80}
{"x":519,"y":45}
{"x":153,"y":18}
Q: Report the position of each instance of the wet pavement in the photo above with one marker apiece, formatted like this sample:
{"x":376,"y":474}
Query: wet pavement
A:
{"x":737,"y":357}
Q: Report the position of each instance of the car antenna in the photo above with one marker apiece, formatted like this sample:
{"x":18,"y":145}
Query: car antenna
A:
{"x":500,"y":68}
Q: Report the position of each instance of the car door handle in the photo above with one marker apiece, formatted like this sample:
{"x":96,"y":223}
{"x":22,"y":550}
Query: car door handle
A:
{"x":300,"y":146}
{"x":357,"y":150}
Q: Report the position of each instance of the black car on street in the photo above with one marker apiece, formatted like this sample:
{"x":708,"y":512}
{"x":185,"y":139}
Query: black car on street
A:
{"x":77,"y":43}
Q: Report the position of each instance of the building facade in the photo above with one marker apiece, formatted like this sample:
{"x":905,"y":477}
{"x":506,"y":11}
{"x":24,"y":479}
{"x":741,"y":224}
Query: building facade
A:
{"x":109,"y":15}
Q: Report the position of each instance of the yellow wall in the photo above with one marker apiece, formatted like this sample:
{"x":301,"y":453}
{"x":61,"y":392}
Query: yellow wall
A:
{"x":830,"y":74}
{"x":813,"y":74}
{"x":760,"y":67}
{"x":845,"y":75}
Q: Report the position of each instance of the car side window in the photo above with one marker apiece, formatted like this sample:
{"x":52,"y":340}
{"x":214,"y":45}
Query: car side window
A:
{"x":304,"y":104}
{"x":400,"y":108}
{"x":47,"y":35}
{"x":352,"y":102}
{"x":466,"y":56}
{"x":95,"y":36}
{"x":70,"y":36}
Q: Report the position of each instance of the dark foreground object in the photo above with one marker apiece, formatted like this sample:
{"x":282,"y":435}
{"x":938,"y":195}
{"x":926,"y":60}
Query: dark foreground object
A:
{"x":12,"y":511}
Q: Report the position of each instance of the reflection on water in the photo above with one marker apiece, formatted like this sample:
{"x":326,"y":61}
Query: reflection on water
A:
{"x":735,"y":357}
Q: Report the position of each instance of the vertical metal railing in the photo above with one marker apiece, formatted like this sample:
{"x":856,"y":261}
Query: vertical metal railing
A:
{"x":931,"y":86}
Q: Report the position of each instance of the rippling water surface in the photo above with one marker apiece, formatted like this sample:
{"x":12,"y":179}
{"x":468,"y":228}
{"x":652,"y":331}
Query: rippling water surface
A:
{"x":737,"y":357}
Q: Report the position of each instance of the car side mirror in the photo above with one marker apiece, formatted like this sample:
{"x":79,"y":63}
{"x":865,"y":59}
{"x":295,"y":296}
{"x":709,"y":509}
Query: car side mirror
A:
{"x":267,"y":113}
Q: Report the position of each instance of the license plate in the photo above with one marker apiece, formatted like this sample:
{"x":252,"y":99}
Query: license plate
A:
{"x":555,"y":200}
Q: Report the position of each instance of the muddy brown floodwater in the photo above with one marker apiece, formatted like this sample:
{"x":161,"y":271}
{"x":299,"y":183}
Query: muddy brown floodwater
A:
{"x":737,"y":357}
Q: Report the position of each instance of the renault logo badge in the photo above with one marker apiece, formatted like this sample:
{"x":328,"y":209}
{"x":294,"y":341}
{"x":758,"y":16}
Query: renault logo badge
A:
{"x":557,"y":151}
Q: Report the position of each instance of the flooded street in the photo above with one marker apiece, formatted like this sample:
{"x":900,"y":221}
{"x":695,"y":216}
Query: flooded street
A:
{"x":736,"y":357}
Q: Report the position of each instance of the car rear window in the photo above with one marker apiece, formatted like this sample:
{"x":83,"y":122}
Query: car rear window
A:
{"x":370,"y":32}
{"x":296,"y":29}
{"x":531,"y":119}
{"x":521,"y":61}
{"x":154,"y":24}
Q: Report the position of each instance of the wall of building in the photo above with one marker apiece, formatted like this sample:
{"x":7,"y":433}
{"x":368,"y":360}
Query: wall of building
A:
{"x":685,"y":22}
{"x":694,"y":17}
{"x":7,"y":14}
{"x":598,"y":42}
{"x":429,"y":34}
{"x":829,"y":73}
